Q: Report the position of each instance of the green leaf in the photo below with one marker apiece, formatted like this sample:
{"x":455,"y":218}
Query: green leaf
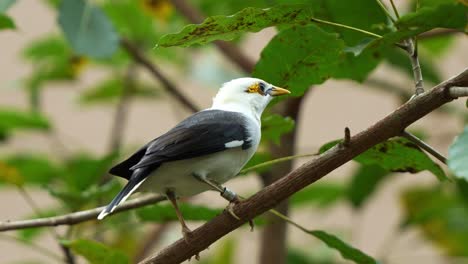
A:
{"x":458,"y":155}
{"x":6,"y":22}
{"x":111,"y":90}
{"x":14,"y":119}
{"x":228,"y":27}
{"x":364,"y":182}
{"x":435,"y":47}
{"x":84,"y":170}
{"x":88,"y":29}
{"x":165,"y":212}
{"x":322,"y":194}
{"x":34,"y":169}
{"x":292,"y":59}
{"x":76,"y":199}
{"x":5,"y":4}
{"x":274,"y":126}
{"x":396,"y":155}
{"x":97,"y":253}
{"x":46,"y":48}
{"x":347,"y":251}
{"x":441,"y":215}
{"x":10,"y":175}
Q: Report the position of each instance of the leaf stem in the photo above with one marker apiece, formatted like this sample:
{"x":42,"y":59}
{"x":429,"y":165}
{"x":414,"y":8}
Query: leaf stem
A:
{"x":274,"y":161}
{"x":345,"y":27}
{"x":384,"y":8}
{"x":424,"y":146}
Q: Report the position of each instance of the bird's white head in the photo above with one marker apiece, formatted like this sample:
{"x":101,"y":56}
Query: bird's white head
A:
{"x":246,"y":95}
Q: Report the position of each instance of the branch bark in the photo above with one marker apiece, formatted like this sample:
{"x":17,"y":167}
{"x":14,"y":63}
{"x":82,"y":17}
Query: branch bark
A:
{"x":269,"y":197}
{"x":141,"y":59}
{"x":78,"y":217}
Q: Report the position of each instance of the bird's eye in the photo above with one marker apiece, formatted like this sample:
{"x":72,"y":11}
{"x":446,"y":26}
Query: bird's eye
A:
{"x":262,"y":87}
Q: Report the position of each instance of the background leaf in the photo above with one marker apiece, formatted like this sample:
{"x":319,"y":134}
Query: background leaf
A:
{"x":6,"y":22}
{"x":274,"y":126}
{"x":165,"y":212}
{"x":322,"y":194}
{"x":396,"y":155}
{"x":347,"y":251}
{"x":12,"y":119}
{"x":97,"y":253}
{"x":364,"y":182}
{"x":458,"y":155}
{"x":87,"y":29}
{"x":312,"y":56}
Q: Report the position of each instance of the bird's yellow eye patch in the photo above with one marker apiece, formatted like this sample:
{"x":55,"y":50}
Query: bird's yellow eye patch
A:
{"x":254,"y":88}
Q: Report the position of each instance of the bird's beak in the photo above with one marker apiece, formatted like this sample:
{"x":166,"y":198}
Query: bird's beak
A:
{"x":276,"y":91}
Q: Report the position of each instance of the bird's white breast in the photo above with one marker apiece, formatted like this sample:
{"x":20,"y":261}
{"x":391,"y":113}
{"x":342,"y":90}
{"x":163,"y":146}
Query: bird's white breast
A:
{"x":219,"y":167}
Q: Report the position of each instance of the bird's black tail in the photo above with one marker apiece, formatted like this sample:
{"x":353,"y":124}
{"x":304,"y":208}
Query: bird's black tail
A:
{"x":138,"y":177}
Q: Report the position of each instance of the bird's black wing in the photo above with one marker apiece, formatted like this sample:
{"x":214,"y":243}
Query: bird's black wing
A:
{"x":203,"y":133}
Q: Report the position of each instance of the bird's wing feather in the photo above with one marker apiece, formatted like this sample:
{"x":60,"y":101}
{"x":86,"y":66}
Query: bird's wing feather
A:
{"x":201,"y":134}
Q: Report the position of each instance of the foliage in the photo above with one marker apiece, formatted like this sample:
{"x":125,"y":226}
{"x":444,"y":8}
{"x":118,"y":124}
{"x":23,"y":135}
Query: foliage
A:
{"x":315,"y":41}
{"x":458,"y":155}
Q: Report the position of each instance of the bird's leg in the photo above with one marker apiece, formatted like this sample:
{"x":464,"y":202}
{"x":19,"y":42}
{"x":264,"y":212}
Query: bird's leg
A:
{"x":226,"y":193}
{"x":185,"y":229}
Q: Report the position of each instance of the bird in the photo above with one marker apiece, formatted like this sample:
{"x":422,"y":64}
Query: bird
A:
{"x":203,"y":151}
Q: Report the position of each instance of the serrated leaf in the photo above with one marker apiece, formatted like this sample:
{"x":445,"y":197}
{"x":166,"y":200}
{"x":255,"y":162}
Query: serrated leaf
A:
{"x":440,"y":215}
{"x":15,"y":119}
{"x":97,"y":253}
{"x":347,"y":251}
{"x":364,"y":182}
{"x":111,"y":90}
{"x":6,"y":22}
{"x":165,"y":212}
{"x":299,"y":57}
{"x":274,"y":126}
{"x":321,"y":194}
{"x":396,"y":155}
{"x":228,"y":27}
{"x":458,"y":155}
{"x":88,"y":29}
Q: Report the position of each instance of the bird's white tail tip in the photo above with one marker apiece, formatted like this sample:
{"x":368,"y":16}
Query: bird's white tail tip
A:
{"x":103,"y":214}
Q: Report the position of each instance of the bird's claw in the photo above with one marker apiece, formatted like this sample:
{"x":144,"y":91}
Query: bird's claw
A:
{"x":230,"y":209}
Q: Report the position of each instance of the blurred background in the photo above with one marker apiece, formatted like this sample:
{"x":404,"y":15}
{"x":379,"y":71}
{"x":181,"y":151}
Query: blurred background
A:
{"x":70,"y":117}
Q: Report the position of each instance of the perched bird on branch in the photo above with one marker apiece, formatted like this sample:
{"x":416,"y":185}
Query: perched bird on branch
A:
{"x":201,"y":152}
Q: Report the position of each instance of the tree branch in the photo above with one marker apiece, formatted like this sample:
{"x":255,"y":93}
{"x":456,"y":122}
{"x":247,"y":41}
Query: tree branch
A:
{"x":230,"y":51}
{"x":140,"y":58}
{"x":78,"y":217}
{"x":424,"y":146}
{"x":272,"y":195}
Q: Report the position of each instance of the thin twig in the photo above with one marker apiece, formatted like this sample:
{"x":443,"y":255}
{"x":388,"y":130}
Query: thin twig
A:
{"x":43,"y":250}
{"x":69,"y":257}
{"x":120,"y":116}
{"x":384,"y":8}
{"x":424,"y":146}
{"x":79,"y":217}
{"x":308,"y":173}
{"x":347,"y":137}
{"x":395,"y":9}
{"x":411,"y":49}
{"x":275,"y":161}
{"x":231,"y":52}
{"x":325,"y":22}
{"x":140,"y":58}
